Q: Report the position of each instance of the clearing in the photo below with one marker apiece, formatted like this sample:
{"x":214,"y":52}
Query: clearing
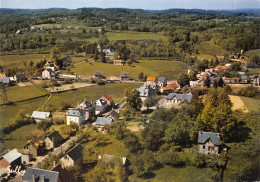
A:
{"x":238,"y":103}
{"x":69,"y":87}
{"x":252,"y":104}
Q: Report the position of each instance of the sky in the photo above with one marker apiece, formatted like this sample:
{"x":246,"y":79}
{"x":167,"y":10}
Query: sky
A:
{"x":142,"y":4}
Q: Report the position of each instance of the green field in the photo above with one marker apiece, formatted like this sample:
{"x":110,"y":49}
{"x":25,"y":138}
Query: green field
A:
{"x":132,"y":35}
{"x":16,"y":93}
{"x":253,"y":52}
{"x":207,"y":50}
{"x":185,"y":174}
{"x":157,"y":68}
{"x":8,"y":113}
{"x":20,"y":59}
{"x":251,"y":103}
{"x":91,"y":93}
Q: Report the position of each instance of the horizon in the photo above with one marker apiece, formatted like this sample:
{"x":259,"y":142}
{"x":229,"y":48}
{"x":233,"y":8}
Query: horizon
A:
{"x":135,"y":4}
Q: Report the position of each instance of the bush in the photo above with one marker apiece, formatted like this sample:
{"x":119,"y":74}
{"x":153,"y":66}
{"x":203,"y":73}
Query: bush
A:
{"x":247,"y":91}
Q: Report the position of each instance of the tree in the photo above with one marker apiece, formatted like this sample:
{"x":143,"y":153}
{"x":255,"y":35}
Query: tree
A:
{"x":118,"y":128}
{"x":149,"y":102}
{"x":141,"y":76}
{"x":55,"y":53}
{"x":129,"y":62}
{"x":255,"y":59}
{"x":192,"y":75}
{"x":44,"y":125}
{"x":220,"y":82}
{"x":183,"y":80}
{"x":227,"y":89}
{"x":215,"y":84}
{"x":83,"y":30}
{"x":133,"y":100}
{"x":132,"y":142}
{"x":207,"y":82}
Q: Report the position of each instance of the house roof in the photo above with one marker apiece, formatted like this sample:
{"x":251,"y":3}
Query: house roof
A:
{"x":86,"y":105}
{"x":118,"y":61}
{"x":125,"y":74}
{"x":167,"y":88}
{"x":12,"y":155}
{"x":221,"y":67}
{"x":108,"y":52}
{"x":75,"y":152}
{"x":151,"y":79}
{"x":64,"y":174}
{"x":75,"y":113}
{"x":99,"y":108}
{"x":102,"y":121}
{"x":173,"y":85}
{"x":162,"y":79}
{"x":144,"y":92}
{"x":50,"y":176}
{"x":67,"y":58}
{"x":204,"y":136}
{"x":98,"y":74}
{"x":55,"y":136}
{"x":182,"y":97}
{"x":40,"y":115}
{"x":20,"y":76}
{"x":109,"y":98}
{"x":113,"y":113}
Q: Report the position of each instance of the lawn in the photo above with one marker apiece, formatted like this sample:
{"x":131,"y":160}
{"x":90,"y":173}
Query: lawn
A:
{"x":90,"y":93}
{"x":171,"y":174}
{"x":237,"y":103}
{"x":20,"y":59}
{"x":253,"y":52}
{"x":251,"y":103}
{"x":208,"y":48}
{"x":170,"y":69}
{"x":8,"y":113}
{"x":16,"y":93}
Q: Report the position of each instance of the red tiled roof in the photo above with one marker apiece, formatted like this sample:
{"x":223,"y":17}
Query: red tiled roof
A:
{"x":221,"y":67}
{"x":151,"y":79}
{"x":109,"y":98}
{"x":173,"y":85}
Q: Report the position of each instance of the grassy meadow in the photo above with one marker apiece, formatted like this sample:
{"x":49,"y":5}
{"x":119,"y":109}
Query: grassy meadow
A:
{"x":251,"y":104}
{"x":157,"y":68}
{"x":90,"y":93}
{"x":16,"y":93}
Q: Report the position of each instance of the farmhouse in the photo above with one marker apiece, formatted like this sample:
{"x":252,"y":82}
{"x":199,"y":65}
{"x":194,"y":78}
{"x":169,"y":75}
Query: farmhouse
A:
{"x":209,"y":142}
{"x":48,"y":74}
{"x":151,"y":80}
{"x":36,"y":149}
{"x":169,"y":88}
{"x":101,"y":106}
{"x":112,"y":115}
{"x":174,"y":98}
{"x":53,"y":140}
{"x":12,"y":158}
{"x":39,"y":115}
{"x":88,"y":109}
{"x":74,"y":157}
{"x":75,"y":116}
{"x":162,"y":81}
{"x":111,"y":159}
{"x":26,"y":158}
{"x":101,"y":122}
{"x":40,"y":175}
{"x":49,"y":65}
{"x":108,"y":98}
{"x":125,"y":76}
{"x":144,"y":92}
{"x":109,"y":52}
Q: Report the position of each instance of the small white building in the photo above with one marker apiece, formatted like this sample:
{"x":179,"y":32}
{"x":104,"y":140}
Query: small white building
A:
{"x":75,"y":116}
{"x":39,"y":115}
{"x":48,"y":74}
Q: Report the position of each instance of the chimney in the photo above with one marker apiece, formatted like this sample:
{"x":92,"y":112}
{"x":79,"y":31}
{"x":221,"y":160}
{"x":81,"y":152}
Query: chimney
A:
{"x":41,"y":178}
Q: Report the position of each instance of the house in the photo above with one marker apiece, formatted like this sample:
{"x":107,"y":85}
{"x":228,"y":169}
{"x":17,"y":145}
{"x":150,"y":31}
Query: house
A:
{"x":101,"y":122}
{"x":209,"y":142}
{"x":12,"y":158}
{"x":88,"y":109}
{"x":162,"y":81}
{"x":48,"y":74}
{"x":112,"y":115}
{"x":170,"y":88}
{"x":75,"y":116}
{"x":101,"y":106}
{"x":63,"y":172}
{"x":98,"y":75}
{"x":144,"y":92}
{"x":110,"y":159}
{"x":256,"y":80}
{"x":5,"y":81}
{"x":221,"y":68}
{"x":125,"y":76}
{"x":66,"y":59}
{"x":40,"y":175}
{"x":53,"y":140}
{"x":74,"y":157}
{"x":35,"y":148}
{"x":151,"y":80}
{"x":20,"y":77}
{"x":229,"y":80}
{"x":40,"y":115}
{"x":175,"y":98}
{"x":109,"y":52}
{"x":26,"y":158}
{"x":109,"y":100}
{"x":119,"y":62}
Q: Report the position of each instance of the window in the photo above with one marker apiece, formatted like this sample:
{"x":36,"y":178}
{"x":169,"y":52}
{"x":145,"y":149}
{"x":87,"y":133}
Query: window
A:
{"x":213,"y":148}
{"x":203,"y":147}
{"x":208,"y":148}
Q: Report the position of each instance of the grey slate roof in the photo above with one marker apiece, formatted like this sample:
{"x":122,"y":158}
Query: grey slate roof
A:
{"x":55,"y":136}
{"x":50,"y":176}
{"x":144,"y":92}
{"x":75,"y":152}
{"x":5,"y":80}
{"x":162,"y":79}
{"x":99,"y":108}
{"x":204,"y":136}
{"x":182,"y":97}
{"x":75,"y":113}
{"x":102,"y":121}
{"x":12,"y":155}
{"x":98,"y":74}
{"x":40,"y":115}
{"x":108,"y":52}
{"x":125,"y":74}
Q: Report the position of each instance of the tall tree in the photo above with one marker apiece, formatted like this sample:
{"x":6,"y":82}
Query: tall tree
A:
{"x":183,"y":80}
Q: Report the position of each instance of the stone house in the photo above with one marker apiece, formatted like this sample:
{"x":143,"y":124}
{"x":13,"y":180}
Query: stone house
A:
{"x":40,"y":175}
{"x":101,"y":122}
{"x":75,"y":116}
{"x":11,"y":158}
{"x":53,"y":140}
{"x":101,"y":106}
{"x":88,"y":109}
{"x":209,"y":142}
{"x":20,"y":78}
{"x":35,"y":148}
{"x":74,"y":157}
{"x":48,"y":74}
{"x":162,"y":82}
{"x":175,"y":98}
